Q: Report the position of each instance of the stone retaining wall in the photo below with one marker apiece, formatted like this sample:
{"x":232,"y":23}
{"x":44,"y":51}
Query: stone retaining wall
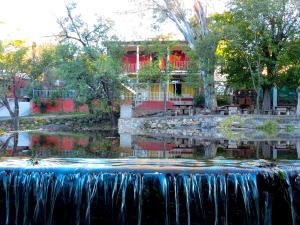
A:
{"x":209,"y":126}
{"x":58,"y":123}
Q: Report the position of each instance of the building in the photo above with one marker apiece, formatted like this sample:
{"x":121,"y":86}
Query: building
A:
{"x":150,"y":94}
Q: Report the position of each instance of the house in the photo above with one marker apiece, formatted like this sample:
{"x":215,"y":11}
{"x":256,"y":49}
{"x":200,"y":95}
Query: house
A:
{"x":172,"y":91}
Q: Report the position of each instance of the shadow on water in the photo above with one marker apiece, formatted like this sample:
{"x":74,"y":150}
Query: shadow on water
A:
{"x":98,"y":178}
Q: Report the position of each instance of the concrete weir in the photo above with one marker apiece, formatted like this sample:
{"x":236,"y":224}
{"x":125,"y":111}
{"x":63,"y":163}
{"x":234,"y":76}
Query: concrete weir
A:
{"x":144,"y":196}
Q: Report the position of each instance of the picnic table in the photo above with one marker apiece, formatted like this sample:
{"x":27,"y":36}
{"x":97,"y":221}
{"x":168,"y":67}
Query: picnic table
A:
{"x":228,"y":110}
{"x":285,"y":110}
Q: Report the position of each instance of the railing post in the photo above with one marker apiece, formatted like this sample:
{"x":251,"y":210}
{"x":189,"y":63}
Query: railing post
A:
{"x":137,"y":61}
{"x":165,"y":98}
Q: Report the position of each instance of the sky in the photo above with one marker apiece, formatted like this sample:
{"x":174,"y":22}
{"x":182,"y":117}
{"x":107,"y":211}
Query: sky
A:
{"x":35,"y":20}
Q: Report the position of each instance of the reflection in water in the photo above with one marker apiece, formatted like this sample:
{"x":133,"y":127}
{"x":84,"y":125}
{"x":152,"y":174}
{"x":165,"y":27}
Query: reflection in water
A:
{"x":10,"y":144}
{"x":105,"y":145}
{"x":117,"y":183}
{"x":149,"y":147}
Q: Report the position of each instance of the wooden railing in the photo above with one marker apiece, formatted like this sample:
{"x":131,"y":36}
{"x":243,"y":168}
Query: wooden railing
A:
{"x":176,"y":65}
{"x":53,"y":93}
{"x":181,"y":65}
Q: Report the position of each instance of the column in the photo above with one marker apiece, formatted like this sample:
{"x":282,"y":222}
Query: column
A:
{"x":168,"y":80}
{"x":275,"y":96}
{"x":137,"y":58}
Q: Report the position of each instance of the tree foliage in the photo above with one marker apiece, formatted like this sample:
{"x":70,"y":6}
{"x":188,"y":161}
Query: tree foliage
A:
{"x":89,"y":59}
{"x":256,"y":36}
{"x":13,"y":65}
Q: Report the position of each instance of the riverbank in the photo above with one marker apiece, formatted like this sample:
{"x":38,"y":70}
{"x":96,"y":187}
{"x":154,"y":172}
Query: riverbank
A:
{"x":211,"y":126}
{"x":68,"y":122}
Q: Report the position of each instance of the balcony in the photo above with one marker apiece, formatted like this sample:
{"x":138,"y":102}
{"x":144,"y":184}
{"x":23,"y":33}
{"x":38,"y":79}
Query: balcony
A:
{"x":176,"y":66}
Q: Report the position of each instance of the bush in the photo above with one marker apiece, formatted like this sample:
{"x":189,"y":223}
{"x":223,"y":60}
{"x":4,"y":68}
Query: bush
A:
{"x":43,"y":107}
{"x":269,"y":127}
{"x":52,"y":101}
{"x":223,"y":100}
{"x":1,"y":131}
{"x":290,"y":128}
{"x":199,"y":100}
{"x":36,"y":101}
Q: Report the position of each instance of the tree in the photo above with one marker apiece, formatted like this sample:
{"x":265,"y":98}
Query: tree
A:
{"x":159,"y":67}
{"x":239,"y":53}
{"x":260,"y":32}
{"x":13,"y":67}
{"x":90,"y":60}
{"x":195,"y":30}
{"x":20,"y":66}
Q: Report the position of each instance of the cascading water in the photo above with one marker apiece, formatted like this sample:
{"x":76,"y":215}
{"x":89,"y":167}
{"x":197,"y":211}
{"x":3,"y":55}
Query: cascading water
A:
{"x":142,"y":197}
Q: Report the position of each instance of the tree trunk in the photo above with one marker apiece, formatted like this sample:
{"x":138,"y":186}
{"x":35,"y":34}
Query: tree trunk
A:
{"x":112,"y":115}
{"x":266,"y":99}
{"x":113,"y":120}
{"x":257,"y":107}
{"x":298,"y":149}
{"x":16,"y":141}
{"x":209,"y":93}
{"x":298,"y":104}
{"x":90,"y":107}
{"x":16,"y":118}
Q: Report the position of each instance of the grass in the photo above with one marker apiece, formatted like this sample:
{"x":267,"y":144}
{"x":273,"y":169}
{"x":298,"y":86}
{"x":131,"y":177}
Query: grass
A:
{"x":2,"y":131}
{"x":269,"y":127}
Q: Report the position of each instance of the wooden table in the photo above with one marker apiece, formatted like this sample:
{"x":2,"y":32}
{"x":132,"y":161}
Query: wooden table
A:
{"x":284,"y":110}
{"x":228,"y":109}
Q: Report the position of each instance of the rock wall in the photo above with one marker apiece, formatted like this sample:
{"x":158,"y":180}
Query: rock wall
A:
{"x":211,"y":126}
{"x":75,"y":123}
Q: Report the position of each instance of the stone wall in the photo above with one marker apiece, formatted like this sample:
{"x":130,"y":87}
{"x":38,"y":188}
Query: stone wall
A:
{"x":82,"y":122}
{"x":208,"y":126}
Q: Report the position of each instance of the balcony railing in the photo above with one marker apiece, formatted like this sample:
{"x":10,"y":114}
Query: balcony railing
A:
{"x":176,"y":65}
{"x":53,"y":93}
{"x":181,"y":65}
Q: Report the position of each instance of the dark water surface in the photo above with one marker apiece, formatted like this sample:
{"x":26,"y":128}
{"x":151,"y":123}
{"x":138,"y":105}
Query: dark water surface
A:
{"x":108,"y":145}
{"x":104,"y":178}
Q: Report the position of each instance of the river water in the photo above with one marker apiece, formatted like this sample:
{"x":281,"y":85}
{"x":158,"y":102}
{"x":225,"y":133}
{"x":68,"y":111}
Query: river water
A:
{"x":106,"y":178}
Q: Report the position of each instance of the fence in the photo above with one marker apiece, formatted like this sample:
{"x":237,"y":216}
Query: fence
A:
{"x":53,"y":93}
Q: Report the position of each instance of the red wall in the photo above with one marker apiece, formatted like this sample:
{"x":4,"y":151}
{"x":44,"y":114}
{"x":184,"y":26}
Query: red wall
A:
{"x":58,"y":142}
{"x":20,"y":83}
{"x":129,"y":59}
{"x":62,"y":105}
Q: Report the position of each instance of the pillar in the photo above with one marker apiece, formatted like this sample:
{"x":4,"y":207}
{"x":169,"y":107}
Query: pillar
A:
{"x":275,"y":97}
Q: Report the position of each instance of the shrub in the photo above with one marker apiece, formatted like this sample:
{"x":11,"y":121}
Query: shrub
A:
{"x":43,"y":107}
{"x":199,"y":100}
{"x":290,"y":128}
{"x":2,"y":131}
{"x":223,"y":100}
{"x":226,"y":127}
{"x":269,"y":127}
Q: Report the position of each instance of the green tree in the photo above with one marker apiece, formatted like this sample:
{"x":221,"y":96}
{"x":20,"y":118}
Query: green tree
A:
{"x":159,"y":67}
{"x":13,"y":67}
{"x":19,"y":61}
{"x":89,"y":59}
{"x":255,"y":40}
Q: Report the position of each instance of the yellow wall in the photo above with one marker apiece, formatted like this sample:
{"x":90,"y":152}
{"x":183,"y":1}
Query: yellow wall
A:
{"x":171,"y":88}
{"x":155,"y":88}
{"x":188,"y":90}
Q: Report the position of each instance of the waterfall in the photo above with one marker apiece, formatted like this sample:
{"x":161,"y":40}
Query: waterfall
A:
{"x":133,"y":198}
